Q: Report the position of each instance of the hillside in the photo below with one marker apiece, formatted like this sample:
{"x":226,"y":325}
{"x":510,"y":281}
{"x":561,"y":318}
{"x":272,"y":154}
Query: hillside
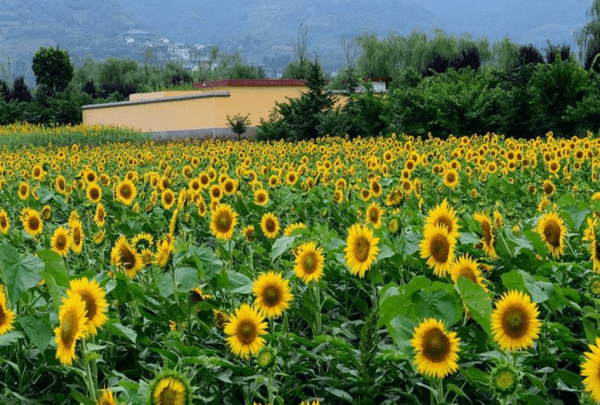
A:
{"x":83,"y":28}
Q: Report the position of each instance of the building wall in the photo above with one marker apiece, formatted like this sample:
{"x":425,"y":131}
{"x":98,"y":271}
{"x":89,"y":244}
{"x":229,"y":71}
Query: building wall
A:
{"x":203,"y":111}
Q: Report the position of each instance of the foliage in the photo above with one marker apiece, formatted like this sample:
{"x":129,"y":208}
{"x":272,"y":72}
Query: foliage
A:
{"x":450,"y":103}
{"x":239,"y":124}
{"x":52,"y":68}
{"x":300,"y":117}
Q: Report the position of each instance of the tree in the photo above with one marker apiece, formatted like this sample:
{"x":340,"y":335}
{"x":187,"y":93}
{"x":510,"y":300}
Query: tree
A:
{"x":214,"y":53}
{"x":4,"y":91}
{"x":20,"y":90}
{"x":588,"y":38}
{"x":239,"y":124}
{"x":52,"y":68}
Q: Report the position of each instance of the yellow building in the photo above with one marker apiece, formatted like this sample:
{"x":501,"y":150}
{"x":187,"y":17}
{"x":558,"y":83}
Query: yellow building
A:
{"x":201,"y":113}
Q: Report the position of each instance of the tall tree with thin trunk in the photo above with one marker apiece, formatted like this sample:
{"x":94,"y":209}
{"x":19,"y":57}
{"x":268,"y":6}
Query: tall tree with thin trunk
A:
{"x":588,"y":37}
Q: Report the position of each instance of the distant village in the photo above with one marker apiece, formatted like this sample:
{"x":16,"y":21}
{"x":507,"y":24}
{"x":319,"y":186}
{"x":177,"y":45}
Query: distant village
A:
{"x":198,"y":56}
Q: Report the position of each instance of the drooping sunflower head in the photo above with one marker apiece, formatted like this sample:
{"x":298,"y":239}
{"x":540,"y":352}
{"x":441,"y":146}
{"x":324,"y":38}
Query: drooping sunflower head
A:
{"x":437,"y":247}
{"x":248,"y":232}
{"x":4,"y":222}
{"x":125,"y":257}
{"x":553,"y":231}
{"x":7,"y":316}
{"x":244,"y":331}
{"x":100,"y":215}
{"x":292,"y":227}
{"x":170,"y":387}
{"x":270,"y":225}
{"x":72,"y":317}
{"x":487,"y":240}
{"x":107,"y":398}
{"x":76,"y":235}
{"x":590,"y":369}
{"x":90,"y":292}
{"x":465,"y":266}
{"x":361,"y":249}
{"x":61,"y":242}
{"x":223,"y":221}
{"x":309,"y":262}
{"x":197,"y":295}
{"x":444,"y":214}
{"x":515,"y":322}
{"x":164,"y":248}
{"x":273,"y":294}
{"x":436,"y":350}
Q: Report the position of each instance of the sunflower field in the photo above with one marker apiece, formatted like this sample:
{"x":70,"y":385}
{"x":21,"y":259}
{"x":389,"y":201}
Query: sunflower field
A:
{"x":390,"y":270}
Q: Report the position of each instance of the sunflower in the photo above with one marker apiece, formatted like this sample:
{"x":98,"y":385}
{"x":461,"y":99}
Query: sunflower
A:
{"x":94,"y":193}
{"x":164,"y":248}
{"x":126,"y":257}
{"x":100,"y":215}
{"x":248,"y":232}
{"x":126,"y":192}
{"x":590,"y":369}
{"x":90,"y":292}
{"x":374,"y":214}
{"x":216,"y":193}
{"x":244,"y":329}
{"x":292,"y":227}
{"x":167,"y":198}
{"x":7,"y":317}
{"x":23,"y":190}
{"x":394,"y":197}
{"x":261,"y":197}
{"x":230,"y":186}
{"x":4,"y":222}
{"x":375,"y":188}
{"x":309,"y":262}
{"x":515,"y":322}
{"x":361,"y":249}
{"x":32,"y":223}
{"x":99,"y":237}
{"x":451,"y":178}
{"x":223,"y":221}
{"x":548,"y":188}
{"x":465,"y":266}
{"x":273,"y":294}
{"x":591,"y":238}
{"x":72,"y":317}
{"x":437,"y":247}
{"x":269,"y":225}
{"x":170,"y":388}
{"x":197,"y":295}
{"x":553,"y":231}
{"x":107,"y":398}
{"x":436,"y":350}
{"x":221,"y":318}
{"x":487,"y":241}
{"x":444,"y":214}
{"x":142,"y":240}
{"x":61,"y":242}
{"x":76,"y":236}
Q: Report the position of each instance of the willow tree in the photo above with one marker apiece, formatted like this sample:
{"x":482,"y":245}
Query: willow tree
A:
{"x":588,"y":37}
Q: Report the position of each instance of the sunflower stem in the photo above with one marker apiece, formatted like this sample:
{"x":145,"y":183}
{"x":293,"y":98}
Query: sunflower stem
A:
{"x":317,"y":330}
{"x":440,"y":390}
{"x":570,"y":247}
{"x":505,"y":245}
{"x":88,"y":373}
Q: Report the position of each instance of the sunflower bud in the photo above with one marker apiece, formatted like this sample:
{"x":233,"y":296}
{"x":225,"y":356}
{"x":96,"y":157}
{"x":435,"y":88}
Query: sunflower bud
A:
{"x":505,"y":380}
{"x":266,"y":357}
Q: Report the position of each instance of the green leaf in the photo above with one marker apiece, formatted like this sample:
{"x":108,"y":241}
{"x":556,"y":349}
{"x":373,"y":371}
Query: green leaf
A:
{"x":340,"y":394}
{"x":385,"y":252}
{"x":164,"y":282}
{"x":281,"y":245}
{"x":238,"y":283}
{"x":438,"y":304}
{"x":187,"y":277}
{"x":78,"y":396}
{"x":20,"y":274}
{"x":401,"y":329}
{"x":118,"y":329}
{"x":520,"y":280}
{"x":37,"y":330}
{"x":477,"y":301}
{"x":55,"y":266}
{"x":469,"y":238}
{"x":10,"y":337}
